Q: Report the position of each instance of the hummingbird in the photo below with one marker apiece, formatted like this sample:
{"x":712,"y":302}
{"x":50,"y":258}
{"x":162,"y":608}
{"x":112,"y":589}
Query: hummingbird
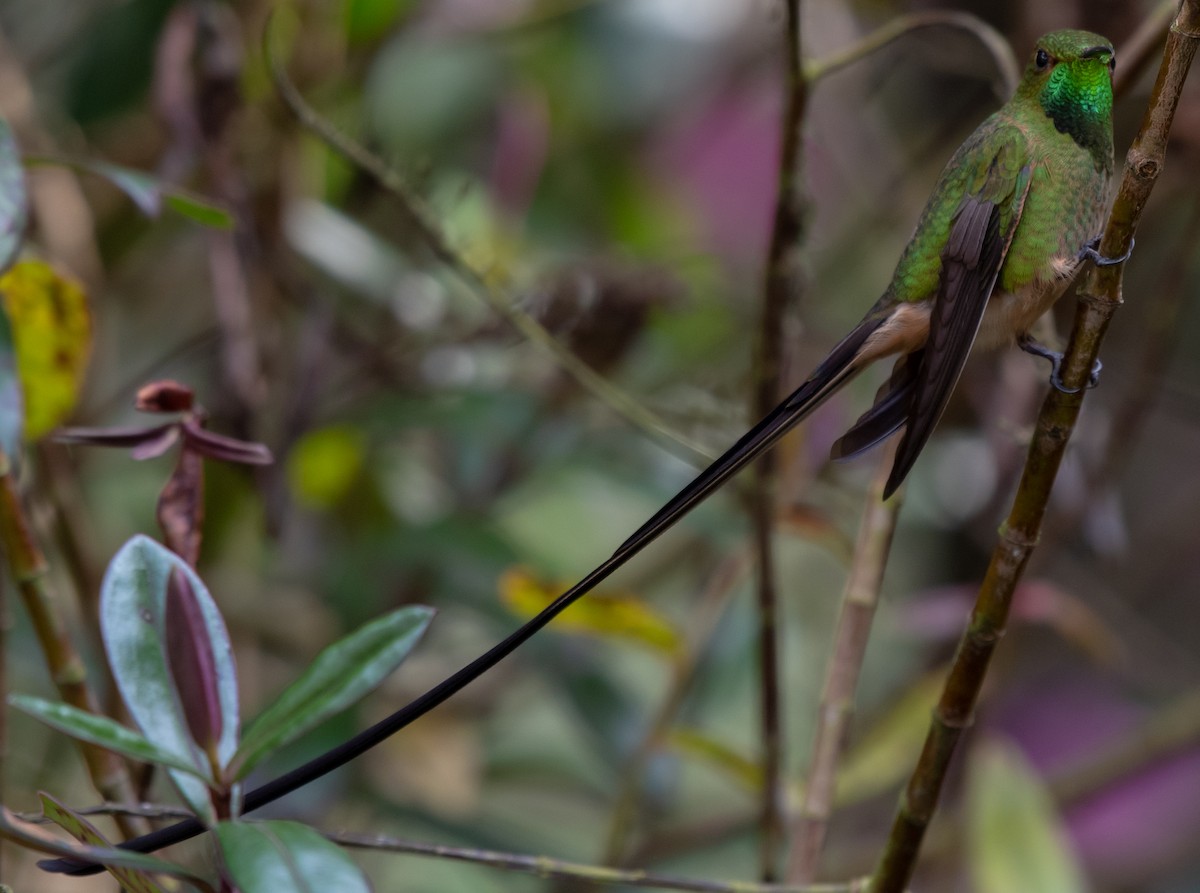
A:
{"x":1010,"y":220}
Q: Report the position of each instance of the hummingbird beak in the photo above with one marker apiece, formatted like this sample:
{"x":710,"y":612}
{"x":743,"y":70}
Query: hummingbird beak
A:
{"x":1093,"y":52}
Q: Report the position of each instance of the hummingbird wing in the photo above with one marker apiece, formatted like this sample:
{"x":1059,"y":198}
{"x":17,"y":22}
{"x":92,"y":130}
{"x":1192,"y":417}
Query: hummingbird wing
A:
{"x":981,"y":232}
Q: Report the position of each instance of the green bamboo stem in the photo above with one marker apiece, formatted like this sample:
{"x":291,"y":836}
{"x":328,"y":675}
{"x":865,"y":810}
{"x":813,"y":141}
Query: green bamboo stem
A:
{"x":29,"y":569}
{"x":1099,"y":297}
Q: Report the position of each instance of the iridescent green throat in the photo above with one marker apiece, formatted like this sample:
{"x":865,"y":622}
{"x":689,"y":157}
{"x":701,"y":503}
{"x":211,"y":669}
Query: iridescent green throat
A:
{"x":1078,"y":99}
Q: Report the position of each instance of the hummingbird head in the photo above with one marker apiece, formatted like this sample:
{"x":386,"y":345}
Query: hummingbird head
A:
{"x":1070,"y":76}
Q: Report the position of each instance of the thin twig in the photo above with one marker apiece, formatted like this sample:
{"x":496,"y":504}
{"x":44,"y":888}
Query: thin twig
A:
{"x":28,"y":568}
{"x":780,"y":287}
{"x":1171,"y":730}
{"x":1099,"y":297}
{"x":542,"y":866}
{"x":1138,"y":49}
{"x":545,"y":867}
{"x":1156,"y":353}
{"x":859,"y":600}
{"x":993,"y":41}
{"x":438,"y":243}
{"x":707,"y":613}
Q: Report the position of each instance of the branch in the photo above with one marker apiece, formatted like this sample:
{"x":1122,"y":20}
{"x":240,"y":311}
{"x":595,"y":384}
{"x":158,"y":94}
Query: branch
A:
{"x":546,"y":867}
{"x":542,"y":866}
{"x":780,"y":287}
{"x":1099,"y":297}
{"x":438,"y":243}
{"x":707,"y":613}
{"x":1007,"y":68}
{"x":859,"y":600}
{"x":1138,"y":49}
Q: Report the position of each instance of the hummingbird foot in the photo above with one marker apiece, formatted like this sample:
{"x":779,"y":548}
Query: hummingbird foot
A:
{"x":1089,"y":252}
{"x":1030,"y":345}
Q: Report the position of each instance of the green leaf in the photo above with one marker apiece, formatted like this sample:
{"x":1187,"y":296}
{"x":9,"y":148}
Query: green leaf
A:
{"x":148,"y":192}
{"x":1015,"y":838}
{"x":267,"y":857}
{"x":197,"y":209}
{"x":36,"y":837}
{"x":141,"y":188}
{"x":132,"y":880}
{"x":12,"y":402}
{"x":14,"y":200}
{"x":98,"y":730}
{"x":341,"y":675}
{"x":367,"y":20}
{"x":132,"y":613}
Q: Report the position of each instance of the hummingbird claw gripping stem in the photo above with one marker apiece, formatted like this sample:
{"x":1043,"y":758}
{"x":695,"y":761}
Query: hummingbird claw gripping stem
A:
{"x":1089,"y":252}
{"x":1032,"y":346}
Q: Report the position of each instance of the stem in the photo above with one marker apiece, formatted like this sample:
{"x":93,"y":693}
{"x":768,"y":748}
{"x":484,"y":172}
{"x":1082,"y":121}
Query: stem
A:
{"x":1007,"y":67}
{"x":28,"y":567}
{"x":708,"y":613}
{"x":545,"y":867}
{"x":1099,"y":297}
{"x":479,"y":282}
{"x":859,"y":600}
{"x":780,"y":286}
{"x":1146,"y":384}
{"x":1138,"y":49}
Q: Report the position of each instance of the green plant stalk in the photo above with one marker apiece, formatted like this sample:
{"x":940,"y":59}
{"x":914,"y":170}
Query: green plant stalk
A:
{"x":28,"y":567}
{"x":479,"y":282}
{"x":780,"y":289}
{"x":546,"y":867}
{"x":859,"y":600}
{"x":1099,"y":297}
{"x":707,"y":613}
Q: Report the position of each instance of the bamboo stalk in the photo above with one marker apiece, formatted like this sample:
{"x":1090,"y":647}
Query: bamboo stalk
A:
{"x":1099,"y":297}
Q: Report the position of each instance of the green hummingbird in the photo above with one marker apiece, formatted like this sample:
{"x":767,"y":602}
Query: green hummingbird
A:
{"x":1010,"y":220}
{"x":1014,"y":213}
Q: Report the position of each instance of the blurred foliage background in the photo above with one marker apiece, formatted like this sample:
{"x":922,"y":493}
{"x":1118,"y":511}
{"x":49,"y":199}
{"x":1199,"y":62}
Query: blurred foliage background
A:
{"x":613,"y":164}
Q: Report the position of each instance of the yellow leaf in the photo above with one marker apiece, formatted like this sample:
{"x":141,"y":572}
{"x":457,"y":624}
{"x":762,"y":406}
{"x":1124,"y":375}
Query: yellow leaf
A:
{"x":324,"y":463}
{"x":52,"y":332}
{"x":618,"y":615}
{"x":693,"y":743}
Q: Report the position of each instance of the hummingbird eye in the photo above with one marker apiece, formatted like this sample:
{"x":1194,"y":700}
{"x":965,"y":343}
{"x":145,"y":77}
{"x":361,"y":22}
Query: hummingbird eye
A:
{"x":1041,"y":60}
